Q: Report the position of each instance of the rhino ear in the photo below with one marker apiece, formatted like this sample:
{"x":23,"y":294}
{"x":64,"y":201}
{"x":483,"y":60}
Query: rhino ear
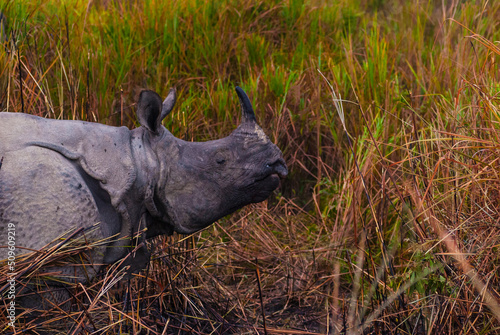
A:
{"x":149,"y":110}
{"x":168,"y":103}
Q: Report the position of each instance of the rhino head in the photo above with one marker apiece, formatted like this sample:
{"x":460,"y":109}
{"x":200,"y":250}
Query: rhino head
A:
{"x":197,"y":183}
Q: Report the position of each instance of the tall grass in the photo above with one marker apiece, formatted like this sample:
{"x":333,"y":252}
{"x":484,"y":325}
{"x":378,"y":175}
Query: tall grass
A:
{"x":387,"y":226}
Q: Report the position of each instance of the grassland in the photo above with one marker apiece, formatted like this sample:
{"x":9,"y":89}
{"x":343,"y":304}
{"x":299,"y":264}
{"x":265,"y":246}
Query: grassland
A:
{"x":389,"y":219}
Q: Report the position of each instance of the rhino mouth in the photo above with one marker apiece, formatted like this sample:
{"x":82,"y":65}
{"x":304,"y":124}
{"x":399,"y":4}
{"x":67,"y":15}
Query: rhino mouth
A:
{"x":264,"y":187}
{"x":269,"y":180}
{"x":276,"y":170}
{"x":273,"y":179}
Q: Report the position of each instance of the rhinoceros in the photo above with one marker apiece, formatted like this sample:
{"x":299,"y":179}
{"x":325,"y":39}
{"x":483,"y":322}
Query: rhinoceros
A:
{"x":58,"y":175}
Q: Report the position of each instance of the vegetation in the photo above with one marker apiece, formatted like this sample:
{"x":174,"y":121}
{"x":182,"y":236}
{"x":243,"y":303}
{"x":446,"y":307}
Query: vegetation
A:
{"x":389,"y":219}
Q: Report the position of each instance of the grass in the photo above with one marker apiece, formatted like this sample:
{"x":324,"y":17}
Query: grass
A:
{"x":387,"y":223}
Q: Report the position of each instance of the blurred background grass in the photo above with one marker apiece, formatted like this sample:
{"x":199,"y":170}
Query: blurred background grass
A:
{"x":388,"y":226}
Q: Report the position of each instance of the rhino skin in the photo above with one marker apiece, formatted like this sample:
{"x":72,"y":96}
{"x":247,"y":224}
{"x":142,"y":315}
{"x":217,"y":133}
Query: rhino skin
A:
{"x":58,"y":175}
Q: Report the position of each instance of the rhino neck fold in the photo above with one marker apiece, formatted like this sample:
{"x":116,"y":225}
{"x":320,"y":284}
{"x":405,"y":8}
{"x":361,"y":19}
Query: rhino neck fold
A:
{"x":153,"y":156}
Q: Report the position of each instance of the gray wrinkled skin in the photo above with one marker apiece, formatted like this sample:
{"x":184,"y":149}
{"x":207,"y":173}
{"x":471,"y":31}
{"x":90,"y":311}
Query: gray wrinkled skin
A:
{"x":57,"y":175}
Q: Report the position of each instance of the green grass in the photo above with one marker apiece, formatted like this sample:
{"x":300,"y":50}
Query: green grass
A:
{"x":336,"y":251}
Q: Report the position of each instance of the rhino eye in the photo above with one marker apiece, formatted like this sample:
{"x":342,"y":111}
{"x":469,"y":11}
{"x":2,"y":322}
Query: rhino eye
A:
{"x":221,"y":156}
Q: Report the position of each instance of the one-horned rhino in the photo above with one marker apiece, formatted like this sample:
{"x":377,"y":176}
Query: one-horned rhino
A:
{"x":57,"y":175}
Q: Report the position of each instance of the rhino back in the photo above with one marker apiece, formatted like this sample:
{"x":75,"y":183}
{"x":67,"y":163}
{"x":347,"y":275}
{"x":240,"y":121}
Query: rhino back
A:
{"x":102,"y":151}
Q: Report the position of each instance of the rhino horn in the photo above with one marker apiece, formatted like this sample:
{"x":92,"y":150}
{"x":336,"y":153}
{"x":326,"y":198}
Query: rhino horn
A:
{"x":168,"y":103}
{"x":246,"y":106}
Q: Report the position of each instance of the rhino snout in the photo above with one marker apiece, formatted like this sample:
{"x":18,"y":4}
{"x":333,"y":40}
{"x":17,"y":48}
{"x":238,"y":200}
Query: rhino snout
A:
{"x":278,"y":167}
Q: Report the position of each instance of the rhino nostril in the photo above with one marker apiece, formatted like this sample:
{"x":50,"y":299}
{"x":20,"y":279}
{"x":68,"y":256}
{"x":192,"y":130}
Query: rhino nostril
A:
{"x":278,"y":167}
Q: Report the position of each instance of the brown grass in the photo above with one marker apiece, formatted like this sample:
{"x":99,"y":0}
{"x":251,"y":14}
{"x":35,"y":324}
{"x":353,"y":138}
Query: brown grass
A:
{"x":388,"y":222}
